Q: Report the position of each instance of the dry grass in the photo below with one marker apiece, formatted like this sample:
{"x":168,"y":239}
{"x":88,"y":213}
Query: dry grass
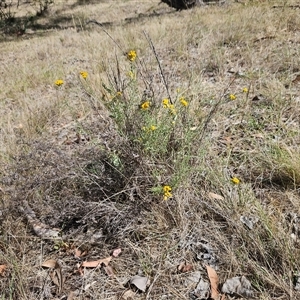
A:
{"x":77,"y":155}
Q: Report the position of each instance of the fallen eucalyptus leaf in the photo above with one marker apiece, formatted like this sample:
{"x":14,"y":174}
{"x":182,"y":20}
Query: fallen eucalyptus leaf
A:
{"x":51,"y":263}
{"x":56,"y":274}
{"x":3,"y":269}
{"x":96,"y":263}
{"x":214,"y":281}
{"x":215,"y":196}
{"x":140,"y":282}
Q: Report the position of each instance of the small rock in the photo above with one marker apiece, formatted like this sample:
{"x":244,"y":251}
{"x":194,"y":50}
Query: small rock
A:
{"x":202,"y":290}
{"x":249,"y":221}
{"x":239,"y":285}
{"x":193,"y":278}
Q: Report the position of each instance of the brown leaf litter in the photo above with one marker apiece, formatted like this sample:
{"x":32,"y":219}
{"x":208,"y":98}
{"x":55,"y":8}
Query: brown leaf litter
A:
{"x":55,"y":273}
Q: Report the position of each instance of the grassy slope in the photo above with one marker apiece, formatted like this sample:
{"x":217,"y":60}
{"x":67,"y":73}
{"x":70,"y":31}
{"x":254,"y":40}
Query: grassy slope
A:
{"x":62,"y":151}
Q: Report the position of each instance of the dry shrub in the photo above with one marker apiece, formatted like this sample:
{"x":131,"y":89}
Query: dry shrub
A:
{"x":88,"y":187}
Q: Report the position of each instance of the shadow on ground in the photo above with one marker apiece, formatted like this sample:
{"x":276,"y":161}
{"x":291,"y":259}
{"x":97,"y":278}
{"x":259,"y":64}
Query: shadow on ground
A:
{"x":42,"y":22}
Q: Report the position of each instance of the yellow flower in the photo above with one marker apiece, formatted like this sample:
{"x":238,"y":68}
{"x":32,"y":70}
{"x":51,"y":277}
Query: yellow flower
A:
{"x":131,"y":55}
{"x":183,"y":101}
{"x":167,"y":189}
{"x":119,"y":94}
{"x":131,"y":75}
{"x":145,"y":105}
{"x":232,"y":97}
{"x":172,"y":109}
{"x":150,"y":128}
{"x":166,"y":103}
{"x":167,"y":192}
{"x":245,"y":90}
{"x":59,"y":82}
{"x":84,"y":74}
{"x":235,"y":180}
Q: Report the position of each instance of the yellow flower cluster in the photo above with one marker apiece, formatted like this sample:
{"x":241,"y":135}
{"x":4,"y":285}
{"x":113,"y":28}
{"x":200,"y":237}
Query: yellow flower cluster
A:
{"x":183,"y":101}
{"x":167,"y":192}
{"x":131,"y":75}
{"x":166,"y":104}
{"x":59,"y":82}
{"x":235,"y":180}
{"x":150,"y":128}
{"x":245,"y":90}
{"x":145,"y":105}
{"x":232,"y":97}
{"x":84,"y":74}
{"x":131,"y":55}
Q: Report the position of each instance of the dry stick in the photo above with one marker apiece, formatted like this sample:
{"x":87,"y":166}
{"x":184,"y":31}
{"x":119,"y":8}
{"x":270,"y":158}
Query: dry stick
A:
{"x":106,"y":32}
{"x":123,"y":52}
{"x":284,"y":6}
{"x":245,"y":110}
{"x":159,"y":65}
{"x":214,"y":110}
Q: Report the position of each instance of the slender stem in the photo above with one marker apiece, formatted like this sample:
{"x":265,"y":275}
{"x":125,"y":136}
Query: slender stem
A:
{"x":159,"y":65}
